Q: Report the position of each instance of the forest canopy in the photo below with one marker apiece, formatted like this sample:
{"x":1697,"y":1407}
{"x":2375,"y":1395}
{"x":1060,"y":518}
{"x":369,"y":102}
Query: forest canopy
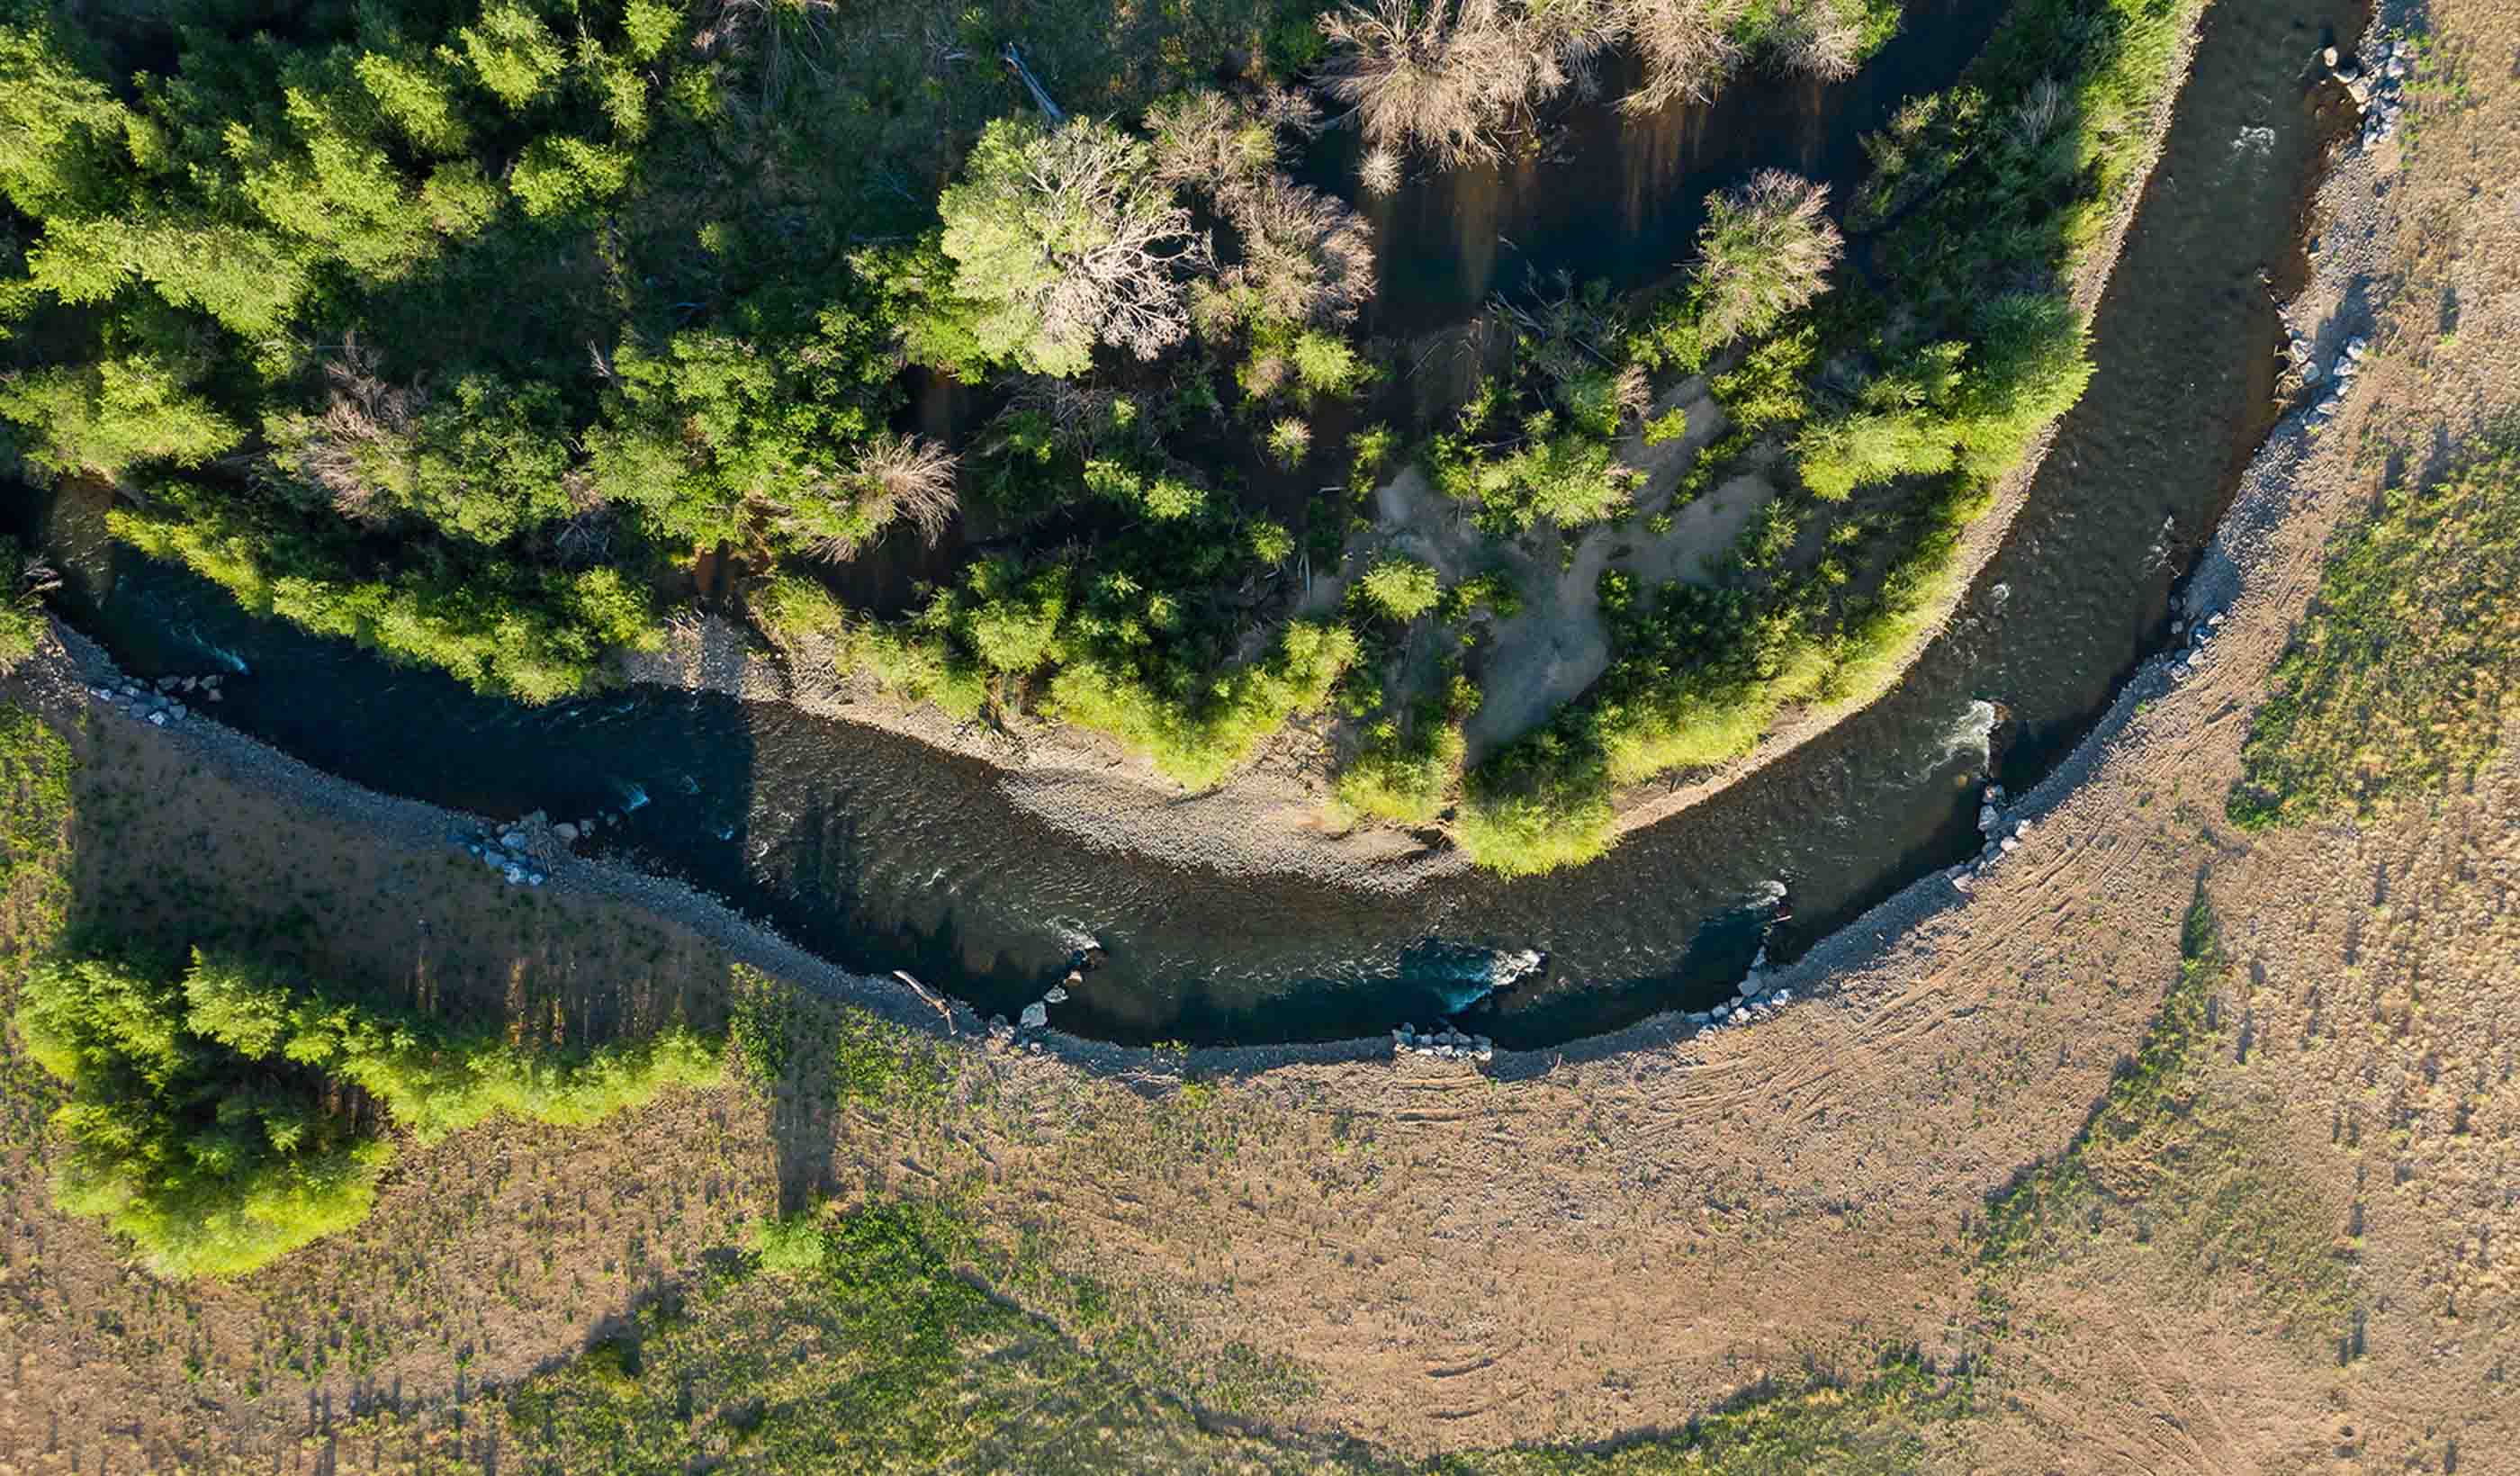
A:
{"x":1023,"y":364}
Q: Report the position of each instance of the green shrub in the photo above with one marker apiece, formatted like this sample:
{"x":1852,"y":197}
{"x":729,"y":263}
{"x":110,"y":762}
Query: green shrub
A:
{"x":21,"y":611}
{"x":1398,"y":587}
{"x":1195,"y":742}
{"x":208,"y":1119}
{"x":1406,"y":777}
{"x":1542,"y":803}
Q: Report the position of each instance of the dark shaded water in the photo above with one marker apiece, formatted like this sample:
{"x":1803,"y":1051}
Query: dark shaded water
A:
{"x":1620,"y":199}
{"x":883,"y":854}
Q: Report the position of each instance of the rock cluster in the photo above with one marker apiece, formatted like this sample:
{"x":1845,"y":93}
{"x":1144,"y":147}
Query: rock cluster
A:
{"x":2340,"y":378}
{"x":504,"y":853}
{"x":1757,"y":1000}
{"x":1036,"y":1015}
{"x":1447,"y":1041}
{"x":159,"y":705}
{"x":2379,"y":93}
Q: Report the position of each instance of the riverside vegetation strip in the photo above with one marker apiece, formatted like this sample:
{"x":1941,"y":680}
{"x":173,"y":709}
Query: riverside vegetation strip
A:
{"x":269,"y":322}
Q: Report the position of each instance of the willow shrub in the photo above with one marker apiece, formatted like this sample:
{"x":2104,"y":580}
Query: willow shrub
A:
{"x":208,"y":1118}
{"x":536,"y":635}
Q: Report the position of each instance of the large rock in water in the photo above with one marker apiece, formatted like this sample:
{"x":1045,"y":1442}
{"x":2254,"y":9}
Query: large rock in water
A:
{"x":1035,"y":1015}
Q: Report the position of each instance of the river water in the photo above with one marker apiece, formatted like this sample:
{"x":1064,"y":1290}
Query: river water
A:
{"x":880,"y":853}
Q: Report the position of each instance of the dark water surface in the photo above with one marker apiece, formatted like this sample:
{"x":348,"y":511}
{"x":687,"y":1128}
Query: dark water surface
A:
{"x":880,"y":853}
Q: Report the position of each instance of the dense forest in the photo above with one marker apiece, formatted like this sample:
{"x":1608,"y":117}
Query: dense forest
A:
{"x":493,"y":335}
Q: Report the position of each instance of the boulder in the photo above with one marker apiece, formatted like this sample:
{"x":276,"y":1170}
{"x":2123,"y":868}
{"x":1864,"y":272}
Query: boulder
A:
{"x":157,"y":720}
{"x":211,"y":694}
{"x":1035,"y":1015}
{"x":1074,"y":979}
{"x":564,"y":830}
{"x":1057,"y":995}
{"x":1986,"y":817}
{"x":2010,"y":845}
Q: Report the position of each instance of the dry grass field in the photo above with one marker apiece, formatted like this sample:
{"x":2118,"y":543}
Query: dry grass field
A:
{"x":2179,"y":1148}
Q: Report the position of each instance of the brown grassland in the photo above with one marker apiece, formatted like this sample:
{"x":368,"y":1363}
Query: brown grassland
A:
{"x":2180,"y":1147}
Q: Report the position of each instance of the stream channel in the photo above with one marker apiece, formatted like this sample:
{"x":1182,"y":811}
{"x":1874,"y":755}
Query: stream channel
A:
{"x":880,"y":853}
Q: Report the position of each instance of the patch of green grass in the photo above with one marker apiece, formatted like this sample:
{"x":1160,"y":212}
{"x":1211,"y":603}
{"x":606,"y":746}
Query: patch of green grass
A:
{"x":2175,"y":1159}
{"x":881,"y":1339}
{"x":1879,"y":1424}
{"x":36,"y":769}
{"x":2400,"y":681}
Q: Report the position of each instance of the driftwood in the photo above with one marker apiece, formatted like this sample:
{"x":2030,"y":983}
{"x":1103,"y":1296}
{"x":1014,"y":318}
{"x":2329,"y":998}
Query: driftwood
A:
{"x":933,"y":998}
{"x":1040,"y":94}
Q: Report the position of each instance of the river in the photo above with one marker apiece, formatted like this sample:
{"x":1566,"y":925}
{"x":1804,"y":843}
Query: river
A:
{"x":880,"y":853}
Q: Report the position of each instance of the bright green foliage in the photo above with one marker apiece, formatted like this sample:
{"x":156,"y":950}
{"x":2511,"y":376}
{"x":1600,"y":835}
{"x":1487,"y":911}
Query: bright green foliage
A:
{"x":1290,"y":441}
{"x":115,"y":414}
{"x":1063,"y":239}
{"x":488,"y":462}
{"x":211,"y":1163}
{"x":1541,"y":804}
{"x":1398,"y":587}
{"x":1197,"y":742}
{"x":558,"y":174}
{"x":794,"y":610}
{"x":1765,"y":251}
{"x":1406,"y":776}
{"x":207,"y":1122}
{"x":60,"y":127}
{"x":719,"y":433}
{"x":1974,"y":408}
{"x":36,"y":769}
{"x":536,"y":636}
{"x":2401,"y":681}
{"x":512,"y":52}
{"x":1548,"y":472}
{"x":1326,"y":364}
{"x":1867,"y":446}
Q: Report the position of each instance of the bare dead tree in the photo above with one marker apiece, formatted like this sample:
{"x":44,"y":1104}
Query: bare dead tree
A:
{"x":2040,"y":110}
{"x":1380,"y":171}
{"x":1218,"y":140}
{"x":1123,"y":285}
{"x":1819,"y":40}
{"x":1687,"y":46}
{"x":1441,"y":77}
{"x":1041,"y":97}
{"x":362,"y":438}
{"x":783,"y":35}
{"x":1307,"y":256}
{"x":910,"y":477}
{"x":1577,"y":33}
{"x":892,"y":478}
{"x":1767,"y":248}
